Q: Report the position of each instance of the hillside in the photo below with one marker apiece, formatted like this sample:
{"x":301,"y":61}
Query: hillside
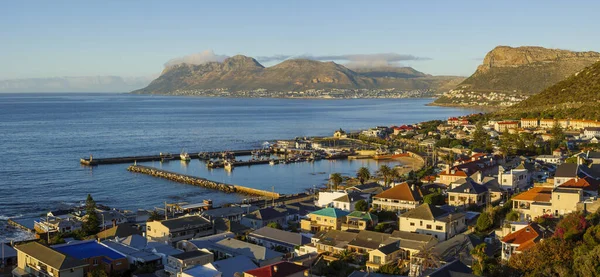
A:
{"x":238,"y":75}
{"x":509,"y":75}
{"x":578,"y":97}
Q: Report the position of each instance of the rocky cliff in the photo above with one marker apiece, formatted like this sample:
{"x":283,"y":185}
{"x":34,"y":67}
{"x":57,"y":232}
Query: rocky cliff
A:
{"x":509,"y":75}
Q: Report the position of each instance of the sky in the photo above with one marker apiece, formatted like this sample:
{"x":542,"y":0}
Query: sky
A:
{"x":41,"y":39}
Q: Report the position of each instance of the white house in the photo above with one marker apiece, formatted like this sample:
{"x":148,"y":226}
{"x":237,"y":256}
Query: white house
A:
{"x":327,"y":197}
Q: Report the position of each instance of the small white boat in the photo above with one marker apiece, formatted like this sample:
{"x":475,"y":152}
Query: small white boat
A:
{"x":228,"y":165}
{"x":272,"y":162}
{"x":184,"y":156}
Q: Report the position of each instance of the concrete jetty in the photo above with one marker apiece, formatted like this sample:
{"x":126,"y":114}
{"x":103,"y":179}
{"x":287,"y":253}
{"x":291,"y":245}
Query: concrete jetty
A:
{"x":201,"y":182}
{"x":91,"y":161}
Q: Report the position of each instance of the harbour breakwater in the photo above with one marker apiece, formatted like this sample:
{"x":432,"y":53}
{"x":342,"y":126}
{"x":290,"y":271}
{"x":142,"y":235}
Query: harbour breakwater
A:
{"x":201,"y":182}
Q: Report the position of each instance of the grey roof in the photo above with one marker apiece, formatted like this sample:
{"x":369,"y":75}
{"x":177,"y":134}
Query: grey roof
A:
{"x":190,"y":254}
{"x":370,"y":274}
{"x":162,"y":248}
{"x":301,"y":208}
{"x":232,"y":265}
{"x":566,"y":170}
{"x":369,"y":239}
{"x":411,"y":236}
{"x":593,"y":155}
{"x":469,"y":186}
{"x":265,"y":214}
{"x":452,"y":269}
{"x":352,"y":196}
{"x":181,"y":222}
{"x":336,"y":238}
{"x":256,"y":252}
{"x":425,"y":211}
{"x":135,"y":241}
{"x":491,"y":184}
{"x":225,"y":212}
{"x":449,"y":249}
{"x":121,"y":231}
{"x":389,"y":249}
{"x":49,"y":256}
{"x":280,"y":236}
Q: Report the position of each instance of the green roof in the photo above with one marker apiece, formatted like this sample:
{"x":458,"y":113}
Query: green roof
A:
{"x":363,"y":215}
{"x":330,"y":212}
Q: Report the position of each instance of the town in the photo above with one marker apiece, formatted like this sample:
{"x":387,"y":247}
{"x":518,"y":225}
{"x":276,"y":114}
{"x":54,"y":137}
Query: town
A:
{"x":334,"y":93}
{"x":474,"y":196}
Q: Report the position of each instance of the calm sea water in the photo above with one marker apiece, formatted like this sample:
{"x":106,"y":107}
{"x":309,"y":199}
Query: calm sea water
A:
{"x":42,"y":137}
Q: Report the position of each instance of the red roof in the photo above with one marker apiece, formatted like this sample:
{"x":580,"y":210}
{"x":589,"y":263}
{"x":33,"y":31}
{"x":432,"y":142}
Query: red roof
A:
{"x":280,"y":269}
{"x":536,"y":194}
{"x":457,"y":172}
{"x":402,"y":192}
{"x":525,"y":238}
{"x":585,"y":183}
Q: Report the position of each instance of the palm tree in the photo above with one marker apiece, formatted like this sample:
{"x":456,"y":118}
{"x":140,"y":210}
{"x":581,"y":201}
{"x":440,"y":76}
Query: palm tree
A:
{"x":363,"y":175}
{"x":335,"y":180}
{"x":427,"y":258}
{"x":387,"y":173}
{"x":344,"y":255}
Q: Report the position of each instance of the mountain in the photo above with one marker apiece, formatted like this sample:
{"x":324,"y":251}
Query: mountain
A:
{"x":75,"y":84}
{"x":241,"y":73}
{"x":511,"y":74}
{"x":576,"y":97}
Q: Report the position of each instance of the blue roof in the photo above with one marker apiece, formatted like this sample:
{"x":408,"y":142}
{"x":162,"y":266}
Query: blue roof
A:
{"x":87,"y":249}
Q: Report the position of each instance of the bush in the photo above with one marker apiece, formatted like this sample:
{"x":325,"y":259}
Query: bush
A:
{"x":435,"y":198}
{"x":362,"y":206}
{"x":512,"y":216}
{"x":484,"y":222}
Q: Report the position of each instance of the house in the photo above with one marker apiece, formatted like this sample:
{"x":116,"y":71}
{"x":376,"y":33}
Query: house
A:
{"x":222,"y":268}
{"x":550,"y":159}
{"x":229,"y":247}
{"x":96,"y":255}
{"x":589,"y":185}
{"x":371,"y":188}
{"x":326,"y":197}
{"x":533,"y":203}
{"x":348,"y":201}
{"x":568,"y":171}
{"x":402,"y":197}
{"x":56,"y":224}
{"x":120,"y":231}
{"x":399,"y":246}
{"x":546,"y":123}
{"x":358,"y":220}
{"x":449,"y":176}
{"x":280,"y":269}
{"x":467,"y":192}
{"x":263,"y":217}
{"x":340,"y":134}
{"x":134,"y":247}
{"x":324,"y":219}
{"x":430,"y":220}
{"x":182,"y":261}
{"x":591,"y":132}
{"x":110,"y":218}
{"x":277,"y":239}
{"x":451,"y":269}
{"x":366,"y":241}
{"x":332,"y":241}
{"x":61,"y":214}
{"x":495,"y":191}
{"x":515,"y":179}
{"x":529,"y":123}
{"x":504,"y":126}
{"x":523,"y":239}
{"x":176,"y":229}
{"x":35,"y":259}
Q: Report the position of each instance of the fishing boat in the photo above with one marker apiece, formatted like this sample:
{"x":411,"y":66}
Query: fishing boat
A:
{"x":184,"y":156}
{"x":164,"y":157}
{"x":228,"y":165}
{"x":272,"y":162}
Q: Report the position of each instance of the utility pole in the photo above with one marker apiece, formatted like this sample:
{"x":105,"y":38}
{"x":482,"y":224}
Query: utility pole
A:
{"x":273,"y":189}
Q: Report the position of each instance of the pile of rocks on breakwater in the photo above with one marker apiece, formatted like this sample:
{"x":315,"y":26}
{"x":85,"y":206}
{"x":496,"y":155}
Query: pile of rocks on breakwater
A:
{"x":201,"y":182}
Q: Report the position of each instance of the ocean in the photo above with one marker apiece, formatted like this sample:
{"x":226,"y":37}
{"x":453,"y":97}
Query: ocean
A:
{"x":43,"y":136}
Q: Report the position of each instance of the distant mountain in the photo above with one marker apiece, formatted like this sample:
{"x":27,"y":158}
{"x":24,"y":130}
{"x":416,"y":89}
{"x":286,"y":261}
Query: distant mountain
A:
{"x":509,"y":75}
{"x":241,"y":73}
{"x":75,"y":84}
{"x":576,"y":97}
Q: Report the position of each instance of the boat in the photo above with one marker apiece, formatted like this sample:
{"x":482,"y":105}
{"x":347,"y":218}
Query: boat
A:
{"x":228,"y":165}
{"x":164,"y":157}
{"x":184,"y":156}
{"x":272,"y":162}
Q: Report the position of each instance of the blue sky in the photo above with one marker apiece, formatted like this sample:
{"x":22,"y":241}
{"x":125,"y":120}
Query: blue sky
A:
{"x":136,"y":38}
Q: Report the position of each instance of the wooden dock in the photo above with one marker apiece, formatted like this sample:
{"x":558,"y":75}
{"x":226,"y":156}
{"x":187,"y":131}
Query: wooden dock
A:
{"x":201,"y":182}
{"x":149,"y":158}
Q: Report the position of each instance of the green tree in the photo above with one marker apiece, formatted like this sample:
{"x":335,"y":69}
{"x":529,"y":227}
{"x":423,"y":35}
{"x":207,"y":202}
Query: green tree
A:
{"x":480,"y":258}
{"x":481,"y":139}
{"x":571,"y":227}
{"x":91,"y":224}
{"x":362,"y":206}
{"x":484,"y":222}
{"x":335,"y":180}
{"x":154,"y":216}
{"x":274,"y":225}
{"x":434,"y":198}
{"x":97,"y":273}
{"x":387,"y":173}
{"x":363,"y":174}
{"x":512,"y":216}
{"x":588,"y":265}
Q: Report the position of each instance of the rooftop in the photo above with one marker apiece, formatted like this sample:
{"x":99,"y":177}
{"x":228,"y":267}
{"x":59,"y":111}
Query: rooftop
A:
{"x":526,"y":237}
{"x":88,"y":249}
{"x":280,"y":269}
{"x":330,"y":212}
{"x":402,"y":192}
{"x":585,"y":183}
{"x":281,"y":236}
{"x":425,"y":211}
{"x":49,"y":256}
{"x":469,"y":186}
{"x":536,"y":194}
{"x":181,"y":222}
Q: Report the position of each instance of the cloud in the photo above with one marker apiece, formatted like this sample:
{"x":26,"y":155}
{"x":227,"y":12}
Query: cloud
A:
{"x":351,"y":60}
{"x":197,"y":58}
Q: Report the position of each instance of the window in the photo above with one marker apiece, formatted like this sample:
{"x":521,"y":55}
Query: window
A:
{"x":428,"y":226}
{"x":376,"y":260}
{"x":412,"y":224}
{"x":558,"y":197}
{"x":149,"y":229}
{"x":451,"y":198}
{"x":331,"y":221}
{"x":420,"y":223}
{"x":439,"y":228}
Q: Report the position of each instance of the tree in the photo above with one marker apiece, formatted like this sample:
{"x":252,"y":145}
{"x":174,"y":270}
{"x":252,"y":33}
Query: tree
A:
{"x":484,"y":222}
{"x":387,"y":173}
{"x":335,"y":179}
{"x":481,"y":139}
{"x":427,"y":258}
{"x":154,"y":216}
{"x":512,"y":216}
{"x":588,"y":265}
{"x":434,"y":198}
{"x":362,"y":206}
{"x":90,"y":226}
{"x":546,"y":258}
{"x":571,"y":227}
{"x":97,"y":273}
{"x":274,"y":225}
{"x":363,"y":175}
{"x":344,"y":255}
{"x":558,"y":135}
{"x":480,"y":257}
